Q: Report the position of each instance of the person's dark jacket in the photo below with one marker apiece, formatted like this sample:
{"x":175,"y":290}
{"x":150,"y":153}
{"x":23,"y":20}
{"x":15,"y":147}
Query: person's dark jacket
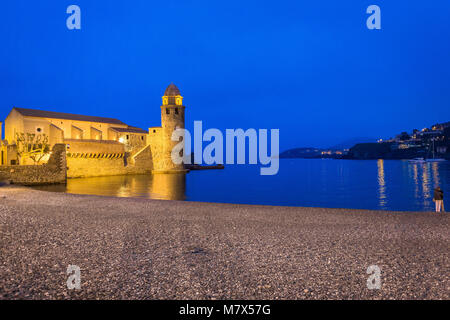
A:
{"x":438,"y":194}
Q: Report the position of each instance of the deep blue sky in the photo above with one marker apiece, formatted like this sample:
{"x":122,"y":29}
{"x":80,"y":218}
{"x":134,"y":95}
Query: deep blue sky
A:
{"x":310,"y":68}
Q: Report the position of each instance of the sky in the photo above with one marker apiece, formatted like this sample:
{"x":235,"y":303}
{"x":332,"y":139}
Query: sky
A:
{"x":309,"y":68}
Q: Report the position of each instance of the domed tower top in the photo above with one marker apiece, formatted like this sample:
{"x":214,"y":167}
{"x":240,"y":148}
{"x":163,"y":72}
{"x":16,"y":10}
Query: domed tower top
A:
{"x":172,"y":91}
{"x":172,"y":96}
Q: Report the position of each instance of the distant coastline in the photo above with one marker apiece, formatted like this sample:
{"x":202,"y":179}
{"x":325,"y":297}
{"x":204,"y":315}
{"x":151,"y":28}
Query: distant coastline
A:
{"x":362,"y":151}
{"x":433,"y":142}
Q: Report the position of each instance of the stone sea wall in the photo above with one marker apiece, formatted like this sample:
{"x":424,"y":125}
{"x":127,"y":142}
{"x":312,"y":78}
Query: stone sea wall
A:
{"x":81,"y":165}
{"x":54,"y":171}
{"x":79,"y":161}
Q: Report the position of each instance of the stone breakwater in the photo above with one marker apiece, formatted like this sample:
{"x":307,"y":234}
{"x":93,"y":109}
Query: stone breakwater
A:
{"x":148,"y":249}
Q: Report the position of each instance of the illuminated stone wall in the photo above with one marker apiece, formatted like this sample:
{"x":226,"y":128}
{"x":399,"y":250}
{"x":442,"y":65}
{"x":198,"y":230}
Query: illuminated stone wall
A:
{"x":156,"y":146}
{"x":93,"y":146}
{"x":134,"y":142}
{"x":108,"y":164}
{"x":85,"y":166}
{"x":54,"y":171}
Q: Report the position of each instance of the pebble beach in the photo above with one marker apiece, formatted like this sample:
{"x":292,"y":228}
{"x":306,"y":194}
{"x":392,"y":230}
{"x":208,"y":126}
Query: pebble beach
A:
{"x":129,"y":248}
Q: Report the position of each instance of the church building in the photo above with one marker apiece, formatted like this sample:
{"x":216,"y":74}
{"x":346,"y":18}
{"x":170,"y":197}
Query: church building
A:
{"x":97,"y":137}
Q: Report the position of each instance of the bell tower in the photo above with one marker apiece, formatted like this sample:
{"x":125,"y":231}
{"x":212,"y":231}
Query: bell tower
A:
{"x":172,"y":118}
{"x":172,"y":109}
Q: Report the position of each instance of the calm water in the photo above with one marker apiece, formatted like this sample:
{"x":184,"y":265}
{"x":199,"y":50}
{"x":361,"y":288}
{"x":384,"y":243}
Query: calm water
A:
{"x":386,"y":185}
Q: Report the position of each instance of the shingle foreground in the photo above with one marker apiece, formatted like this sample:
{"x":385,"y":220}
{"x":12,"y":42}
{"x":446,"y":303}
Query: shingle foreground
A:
{"x":149,"y":249}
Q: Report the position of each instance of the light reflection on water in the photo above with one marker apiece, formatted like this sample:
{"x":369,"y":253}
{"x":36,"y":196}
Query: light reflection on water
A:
{"x":157,"y":186}
{"x":381,"y":183}
{"x":377,"y":184}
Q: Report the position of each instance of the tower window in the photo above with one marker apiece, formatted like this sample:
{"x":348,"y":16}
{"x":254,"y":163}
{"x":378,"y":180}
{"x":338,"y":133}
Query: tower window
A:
{"x":128,"y":137}
{"x":142,"y":138}
{"x":167,"y":111}
{"x":176,"y":110}
{"x":154,"y":131}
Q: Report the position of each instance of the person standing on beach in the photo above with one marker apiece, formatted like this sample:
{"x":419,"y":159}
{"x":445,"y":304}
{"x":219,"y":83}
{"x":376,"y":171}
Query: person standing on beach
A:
{"x":439,"y":199}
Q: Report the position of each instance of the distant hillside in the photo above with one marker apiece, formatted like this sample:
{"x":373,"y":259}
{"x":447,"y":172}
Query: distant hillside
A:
{"x":370,"y":151}
{"x":351,"y":142}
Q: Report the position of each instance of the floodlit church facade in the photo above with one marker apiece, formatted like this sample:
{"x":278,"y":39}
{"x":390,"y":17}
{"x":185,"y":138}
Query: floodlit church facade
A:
{"x":99,"y":145}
